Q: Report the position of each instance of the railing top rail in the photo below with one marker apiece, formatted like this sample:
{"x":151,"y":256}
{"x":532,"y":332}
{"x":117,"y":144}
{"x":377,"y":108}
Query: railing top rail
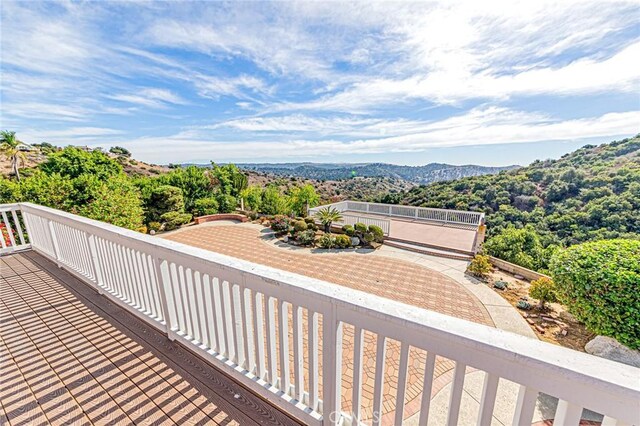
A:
{"x":539,"y":362}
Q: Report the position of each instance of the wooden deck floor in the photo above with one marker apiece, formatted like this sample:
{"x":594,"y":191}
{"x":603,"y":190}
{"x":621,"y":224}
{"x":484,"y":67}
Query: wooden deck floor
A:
{"x":69,"y":356}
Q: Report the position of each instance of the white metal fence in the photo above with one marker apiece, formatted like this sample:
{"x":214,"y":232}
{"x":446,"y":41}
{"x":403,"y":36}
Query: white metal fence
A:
{"x":348,"y":219}
{"x":249,"y":319}
{"x":453,"y":217}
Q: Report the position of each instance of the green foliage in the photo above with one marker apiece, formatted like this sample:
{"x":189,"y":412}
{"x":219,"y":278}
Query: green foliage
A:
{"x":114,"y":201}
{"x":520,"y":246}
{"x":378,"y":233}
{"x":118,"y":150}
{"x":192,"y":180}
{"x":480,"y":266}
{"x":368,"y":237}
{"x":273,"y":202}
{"x":360,"y":227}
{"x":300,"y":225}
{"x":205,"y":206}
{"x":173,"y":220}
{"x":307,"y":237}
{"x":226,"y":203}
{"x":343,"y":241}
{"x":252,"y":196}
{"x":543,"y":289}
{"x":302,"y":198}
{"x":349,"y":230}
{"x":229,"y":179}
{"x":600,"y":284}
{"x":327,"y":216}
{"x":501,"y":285}
{"x":73,"y":162}
{"x":154,"y":226}
{"x":164,"y":199}
{"x":524,"y":305}
{"x":327,"y":241}
{"x":589,"y":194}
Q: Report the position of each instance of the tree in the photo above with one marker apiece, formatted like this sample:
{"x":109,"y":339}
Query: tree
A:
{"x":118,"y":150}
{"x":9,"y":148}
{"x":327,"y":216}
{"x":229,"y":178}
{"x":193,"y":181}
{"x":519,"y":246}
{"x":273,"y":202}
{"x":599,"y":282}
{"x":164,"y":199}
{"x":72,"y":162}
{"x":302,"y":198}
{"x":252,"y":196}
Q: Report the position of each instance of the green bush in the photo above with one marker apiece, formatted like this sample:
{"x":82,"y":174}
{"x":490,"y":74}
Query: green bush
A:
{"x":205,"y":206}
{"x":349,"y":230}
{"x":378,"y":233}
{"x":343,"y":241}
{"x":368,"y":237}
{"x":310,"y":220}
{"x":327,"y":241}
{"x":480,"y":266}
{"x":312,"y":226}
{"x":173,"y":220}
{"x":154,"y":226}
{"x":599,"y":282}
{"x":306,"y":237}
{"x":226,"y":203}
{"x":544,"y":290}
{"x":360,"y":227}
{"x":300,"y":225}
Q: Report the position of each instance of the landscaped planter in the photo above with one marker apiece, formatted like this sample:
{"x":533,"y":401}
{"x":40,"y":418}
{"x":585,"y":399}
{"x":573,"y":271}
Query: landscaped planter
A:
{"x":220,"y":216}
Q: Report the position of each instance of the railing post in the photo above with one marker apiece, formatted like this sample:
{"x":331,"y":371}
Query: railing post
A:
{"x":161,"y":272}
{"x":54,"y":243}
{"x":331,"y":367}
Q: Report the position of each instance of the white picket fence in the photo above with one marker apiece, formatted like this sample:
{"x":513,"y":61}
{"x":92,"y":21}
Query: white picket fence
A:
{"x":239,"y":316}
{"x":451,"y":217}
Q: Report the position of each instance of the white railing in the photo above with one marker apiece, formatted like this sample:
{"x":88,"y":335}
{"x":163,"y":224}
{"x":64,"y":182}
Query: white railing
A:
{"x":452,"y":217}
{"x":348,"y":219}
{"x":241,"y":316}
{"x":12,"y":235}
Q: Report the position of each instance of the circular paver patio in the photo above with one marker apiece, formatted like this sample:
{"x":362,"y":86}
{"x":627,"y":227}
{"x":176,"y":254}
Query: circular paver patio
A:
{"x":380,"y":275}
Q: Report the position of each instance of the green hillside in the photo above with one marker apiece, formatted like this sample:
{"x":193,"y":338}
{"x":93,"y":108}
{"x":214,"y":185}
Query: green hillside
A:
{"x":592,"y":193}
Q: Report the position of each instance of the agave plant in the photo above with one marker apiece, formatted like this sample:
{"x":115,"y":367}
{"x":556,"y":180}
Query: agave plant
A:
{"x":9,"y":148}
{"x":327,"y":216}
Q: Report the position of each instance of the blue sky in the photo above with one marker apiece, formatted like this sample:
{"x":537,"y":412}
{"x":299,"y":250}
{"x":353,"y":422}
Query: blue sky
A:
{"x":409,"y":83}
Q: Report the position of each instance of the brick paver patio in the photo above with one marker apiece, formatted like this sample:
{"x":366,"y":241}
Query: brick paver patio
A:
{"x":384,"y":276}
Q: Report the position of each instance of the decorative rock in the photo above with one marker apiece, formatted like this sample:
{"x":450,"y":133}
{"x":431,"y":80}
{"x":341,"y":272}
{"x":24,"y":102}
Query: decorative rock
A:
{"x":355,"y":241}
{"x":285,"y":238}
{"x":606,"y":347}
{"x":540,"y":329}
{"x":564,"y":332}
{"x":530,"y":321}
{"x":518,"y":277}
{"x":152,"y":232}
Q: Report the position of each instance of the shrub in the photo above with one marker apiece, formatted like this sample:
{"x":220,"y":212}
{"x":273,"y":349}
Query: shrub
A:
{"x":360,"y":227}
{"x":343,"y":241}
{"x":480,"y":266}
{"x":327,"y":241}
{"x":312,"y":226}
{"x":310,"y":220}
{"x":307,"y":237}
{"x":226,"y":203}
{"x":300,"y":225}
{"x":280,"y":224}
{"x":378,"y":233}
{"x":600,"y":284}
{"x":154,"y":226}
{"x":544,"y":290}
{"x":205,"y":206}
{"x":524,"y":305}
{"x":349,"y":230}
{"x":368,"y":237}
{"x":173,"y":220}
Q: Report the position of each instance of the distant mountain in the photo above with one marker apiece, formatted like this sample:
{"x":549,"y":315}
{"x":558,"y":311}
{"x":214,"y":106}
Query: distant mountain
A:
{"x":433,"y":172}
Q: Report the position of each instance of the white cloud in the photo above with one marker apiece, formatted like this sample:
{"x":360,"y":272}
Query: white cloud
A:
{"x":479,"y":127}
{"x":150,"y":97}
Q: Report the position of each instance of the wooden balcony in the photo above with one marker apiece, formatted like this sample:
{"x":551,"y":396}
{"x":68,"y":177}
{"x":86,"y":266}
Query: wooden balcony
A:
{"x":70,"y":356}
{"x":128,"y":328}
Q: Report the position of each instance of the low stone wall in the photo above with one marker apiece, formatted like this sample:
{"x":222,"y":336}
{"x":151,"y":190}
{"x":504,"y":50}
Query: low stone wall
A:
{"x":220,"y":216}
{"x":516,"y":269}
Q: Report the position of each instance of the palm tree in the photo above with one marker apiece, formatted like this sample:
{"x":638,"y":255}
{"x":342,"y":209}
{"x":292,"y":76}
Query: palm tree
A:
{"x":327,"y":216}
{"x":9,"y":148}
